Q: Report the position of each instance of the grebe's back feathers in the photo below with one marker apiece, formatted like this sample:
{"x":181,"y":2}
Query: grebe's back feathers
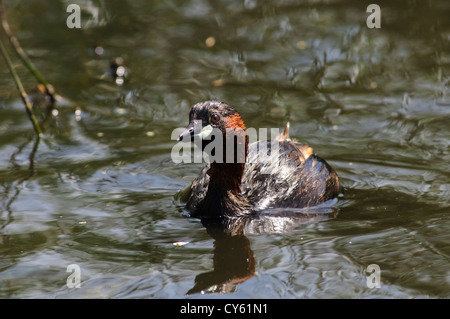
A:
{"x":291,"y":177}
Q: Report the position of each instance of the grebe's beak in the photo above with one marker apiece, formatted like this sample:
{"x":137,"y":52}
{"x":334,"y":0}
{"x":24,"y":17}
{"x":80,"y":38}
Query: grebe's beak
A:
{"x":193,"y":130}
{"x":187,"y":135}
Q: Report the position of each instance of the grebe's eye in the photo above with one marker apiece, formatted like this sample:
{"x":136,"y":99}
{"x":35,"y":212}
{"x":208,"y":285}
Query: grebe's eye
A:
{"x":215,"y":118}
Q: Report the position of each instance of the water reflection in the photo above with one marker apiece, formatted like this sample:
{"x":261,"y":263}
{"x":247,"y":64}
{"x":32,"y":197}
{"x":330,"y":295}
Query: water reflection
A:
{"x":44,"y":104}
{"x":233,"y":259}
{"x":8,"y":199}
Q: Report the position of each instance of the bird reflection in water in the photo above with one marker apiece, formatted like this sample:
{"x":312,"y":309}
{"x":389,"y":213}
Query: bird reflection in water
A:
{"x":233,"y":259}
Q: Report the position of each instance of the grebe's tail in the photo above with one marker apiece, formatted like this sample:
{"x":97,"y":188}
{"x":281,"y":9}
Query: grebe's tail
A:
{"x":285,"y":135}
{"x":303,"y":148}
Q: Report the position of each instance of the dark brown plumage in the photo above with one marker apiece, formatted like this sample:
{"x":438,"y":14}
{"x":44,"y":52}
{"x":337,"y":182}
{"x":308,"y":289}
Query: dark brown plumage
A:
{"x":285,"y":175}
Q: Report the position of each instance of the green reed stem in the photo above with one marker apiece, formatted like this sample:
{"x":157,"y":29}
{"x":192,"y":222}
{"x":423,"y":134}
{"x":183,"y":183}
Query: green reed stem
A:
{"x":23,"y":56}
{"x":23,"y":94}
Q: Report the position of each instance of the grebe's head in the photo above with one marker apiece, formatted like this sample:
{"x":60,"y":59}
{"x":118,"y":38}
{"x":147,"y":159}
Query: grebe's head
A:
{"x":205,"y":117}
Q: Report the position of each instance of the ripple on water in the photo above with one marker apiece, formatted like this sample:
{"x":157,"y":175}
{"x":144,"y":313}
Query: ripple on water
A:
{"x":99,"y":190}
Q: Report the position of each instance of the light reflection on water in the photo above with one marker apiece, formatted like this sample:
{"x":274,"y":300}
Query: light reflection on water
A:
{"x":99,"y":189}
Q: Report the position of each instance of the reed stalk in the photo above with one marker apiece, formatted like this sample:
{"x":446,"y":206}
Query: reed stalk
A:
{"x":50,"y":91}
{"x":23,"y":93}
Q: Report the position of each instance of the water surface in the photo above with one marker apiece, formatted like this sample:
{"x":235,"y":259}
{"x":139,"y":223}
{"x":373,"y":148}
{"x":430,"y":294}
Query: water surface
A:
{"x":98,"y":190}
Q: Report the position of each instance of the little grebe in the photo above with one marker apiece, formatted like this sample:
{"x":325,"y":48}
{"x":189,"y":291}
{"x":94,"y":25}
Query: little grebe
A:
{"x":290,"y":177}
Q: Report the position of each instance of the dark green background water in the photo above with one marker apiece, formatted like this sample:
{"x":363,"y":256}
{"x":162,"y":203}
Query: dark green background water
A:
{"x":100,"y":189}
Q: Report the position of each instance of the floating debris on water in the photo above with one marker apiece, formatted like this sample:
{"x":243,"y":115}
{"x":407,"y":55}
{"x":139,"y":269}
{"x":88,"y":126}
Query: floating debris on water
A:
{"x":180,"y":243}
{"x":210,"y":42}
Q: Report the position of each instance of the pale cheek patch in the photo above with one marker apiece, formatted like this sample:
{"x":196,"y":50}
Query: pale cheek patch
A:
{"x":205,"y":132}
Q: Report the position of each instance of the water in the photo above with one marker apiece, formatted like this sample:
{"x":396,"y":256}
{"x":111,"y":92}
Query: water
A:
{"x":98,"y":191}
